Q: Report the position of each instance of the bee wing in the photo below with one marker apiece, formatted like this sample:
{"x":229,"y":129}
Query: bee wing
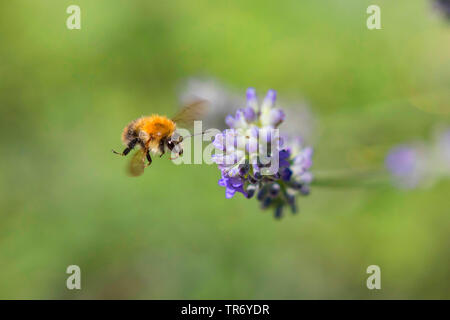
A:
{"x":137,"y":163}
{"x":189,"y":113}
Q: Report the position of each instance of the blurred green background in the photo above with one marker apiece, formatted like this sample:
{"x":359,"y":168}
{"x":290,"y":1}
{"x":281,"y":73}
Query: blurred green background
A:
{"x":65,"y":96}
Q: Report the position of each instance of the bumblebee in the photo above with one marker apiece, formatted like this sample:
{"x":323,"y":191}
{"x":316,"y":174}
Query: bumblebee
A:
{"x":157,"y":134}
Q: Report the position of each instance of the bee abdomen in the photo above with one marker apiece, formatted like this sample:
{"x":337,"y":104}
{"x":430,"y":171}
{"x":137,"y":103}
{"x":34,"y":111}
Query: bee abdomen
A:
{"x":129,"y":132}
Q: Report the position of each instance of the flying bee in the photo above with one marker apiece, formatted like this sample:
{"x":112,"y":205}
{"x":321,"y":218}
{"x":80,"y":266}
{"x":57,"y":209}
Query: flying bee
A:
{"x":156,"y":134}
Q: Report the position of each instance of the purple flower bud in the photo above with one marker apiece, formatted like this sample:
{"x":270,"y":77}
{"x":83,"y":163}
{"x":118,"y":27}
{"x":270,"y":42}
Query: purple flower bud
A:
{"x":305,"y":190}
{"x":307,"y":155}
{"x":251,"y":94}
{"x":239,"y":115}
{"x":277,"y":116}
{"x":266,"y":202}
{"x":250,"y":190}
{"x":292,"y":203}
{"x":295,"y":185}
{"x":286,"y":174}
{"x":306,"y":177}
{"x":252,"y":100}
{"x":283,"y":158}
{"x":229,"y":120}
{"x":229,"y":193}
{"x":222,"y":182}
{"x":270,"y":97}
{"x":249,"y":114}
{"x":262,"y":193}
{"x":274,"y":189}
{"x":278,"y":212}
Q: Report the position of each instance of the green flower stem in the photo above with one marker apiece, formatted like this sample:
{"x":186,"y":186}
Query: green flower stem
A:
{"x":352,"y":179}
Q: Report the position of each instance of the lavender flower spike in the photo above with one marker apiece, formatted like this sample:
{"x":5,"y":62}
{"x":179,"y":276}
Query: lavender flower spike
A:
{"x":239,"y":157}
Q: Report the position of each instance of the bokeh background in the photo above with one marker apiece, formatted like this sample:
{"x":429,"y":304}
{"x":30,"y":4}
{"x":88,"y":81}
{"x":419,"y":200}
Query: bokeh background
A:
{"x":65,"y":96}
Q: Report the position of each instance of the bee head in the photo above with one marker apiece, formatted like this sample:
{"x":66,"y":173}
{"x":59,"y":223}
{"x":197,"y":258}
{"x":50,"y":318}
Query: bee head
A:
{"x":173,"y":144}
{"x":170,"y":145}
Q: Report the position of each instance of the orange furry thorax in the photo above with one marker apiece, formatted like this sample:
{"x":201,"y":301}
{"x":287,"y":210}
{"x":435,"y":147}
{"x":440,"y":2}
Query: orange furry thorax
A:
{"x":156,"y":126}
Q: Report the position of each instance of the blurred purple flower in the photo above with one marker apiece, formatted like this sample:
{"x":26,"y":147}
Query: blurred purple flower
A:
{"x":221,"y":100}
{"x":420,"y":164}
{"x":443,"y":6}
{"x":407,"y":166}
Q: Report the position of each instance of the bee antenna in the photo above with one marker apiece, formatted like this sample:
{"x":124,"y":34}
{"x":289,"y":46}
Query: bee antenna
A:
{"x":193,"y":135}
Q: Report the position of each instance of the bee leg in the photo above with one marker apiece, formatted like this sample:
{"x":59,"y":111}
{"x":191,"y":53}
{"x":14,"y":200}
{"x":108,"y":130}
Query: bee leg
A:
{"x":130,"y":147}
{"x":149,"y":158}
{"x":161,"y":147}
